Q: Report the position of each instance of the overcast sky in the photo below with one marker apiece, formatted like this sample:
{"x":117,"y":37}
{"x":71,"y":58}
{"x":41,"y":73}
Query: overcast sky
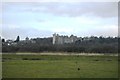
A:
{"x":43,"y":19}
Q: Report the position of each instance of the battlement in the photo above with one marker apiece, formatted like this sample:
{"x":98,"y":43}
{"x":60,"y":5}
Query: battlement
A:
{"x":57,"y":39}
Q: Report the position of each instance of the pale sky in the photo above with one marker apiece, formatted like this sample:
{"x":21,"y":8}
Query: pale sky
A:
{"x":31,"y":19}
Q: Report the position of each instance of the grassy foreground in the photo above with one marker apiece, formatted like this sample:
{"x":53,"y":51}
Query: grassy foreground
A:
{"x":59,"y":66}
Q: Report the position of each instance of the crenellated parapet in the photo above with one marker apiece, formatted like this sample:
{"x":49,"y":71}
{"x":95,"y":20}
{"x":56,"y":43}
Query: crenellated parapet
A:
{"x":60,"y":39}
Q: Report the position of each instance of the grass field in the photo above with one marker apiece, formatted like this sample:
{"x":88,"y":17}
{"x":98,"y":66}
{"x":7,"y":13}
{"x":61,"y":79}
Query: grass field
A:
{"x":59,"y":66}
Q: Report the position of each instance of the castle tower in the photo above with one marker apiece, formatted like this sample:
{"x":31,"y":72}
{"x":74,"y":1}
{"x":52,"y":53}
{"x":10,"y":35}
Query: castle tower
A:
{"x":54,"y":38}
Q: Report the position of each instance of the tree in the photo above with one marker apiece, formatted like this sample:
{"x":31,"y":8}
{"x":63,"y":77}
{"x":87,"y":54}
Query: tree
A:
{"x":18,"y":39}
{"x":3,"y":40}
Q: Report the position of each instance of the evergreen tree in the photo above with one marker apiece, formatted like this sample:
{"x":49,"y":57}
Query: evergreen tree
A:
{"x":18,"y":39}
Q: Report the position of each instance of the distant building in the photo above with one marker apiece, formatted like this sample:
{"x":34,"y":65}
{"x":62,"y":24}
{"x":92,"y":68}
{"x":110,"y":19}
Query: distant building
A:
{"x":33,"y":41}
{"x":57,"y":39}
{"x":10,"y":42}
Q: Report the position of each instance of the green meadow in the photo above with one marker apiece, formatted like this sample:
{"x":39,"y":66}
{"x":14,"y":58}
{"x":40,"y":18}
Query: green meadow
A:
{"x":59,"y":66}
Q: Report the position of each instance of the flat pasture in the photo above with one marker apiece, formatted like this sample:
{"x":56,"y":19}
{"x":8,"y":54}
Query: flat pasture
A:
{"x":59,"y":66}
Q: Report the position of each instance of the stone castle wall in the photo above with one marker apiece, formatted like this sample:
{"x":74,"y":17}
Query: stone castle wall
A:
{"x":57,"y":39}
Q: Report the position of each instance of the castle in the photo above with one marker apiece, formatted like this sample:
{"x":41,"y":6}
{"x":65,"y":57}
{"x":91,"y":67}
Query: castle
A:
{"x":57,"y":39}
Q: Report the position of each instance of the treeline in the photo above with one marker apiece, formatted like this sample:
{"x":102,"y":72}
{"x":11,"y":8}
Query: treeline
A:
{"x":93,"y":45}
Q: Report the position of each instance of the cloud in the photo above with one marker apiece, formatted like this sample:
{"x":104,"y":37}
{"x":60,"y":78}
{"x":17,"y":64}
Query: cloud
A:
{"x":107,"y":30}
{"x":102,"y":9}
{"x":9,"y":32}
{"x":105,"y":9}
{"x":69,"y":1}
{"x":43,"y":19}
